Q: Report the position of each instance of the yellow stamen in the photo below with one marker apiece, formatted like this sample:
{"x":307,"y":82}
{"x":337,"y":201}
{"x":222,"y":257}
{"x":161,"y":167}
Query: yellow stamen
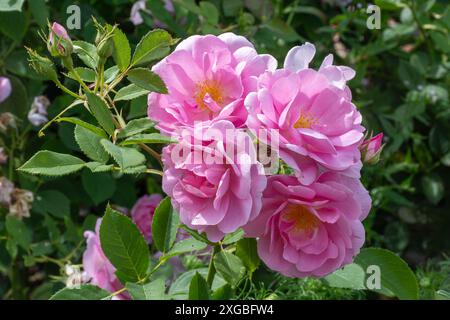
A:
{"x":303,"y":219}
{"x":212,"y":89}
{"x":305,"y":121}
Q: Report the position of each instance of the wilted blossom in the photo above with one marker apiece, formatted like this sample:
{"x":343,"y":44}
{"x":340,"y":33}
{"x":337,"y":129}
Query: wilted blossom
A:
{"x":138,"y":6}
{"x":6,"y":190}
{"x":310,"y":230}
{"x":97,"y":267}
{"x":38,"y":111}
{"x":5,"y":88}
{"x":21,"y":203}
{"x":213,"y":197}
{"x":7,"y":121}
{"x":319,"y":127}
{"x":208,"y":78}
{"x":59,"y":42}
{"x":142,"y":214}
{"x":3,"y":156}
{"x":371,"y":149}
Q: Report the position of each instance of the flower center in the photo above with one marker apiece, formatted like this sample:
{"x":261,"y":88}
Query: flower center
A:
{"x":305,"y":121}
{"x":208,"y":90}
{"x":303,"y":220}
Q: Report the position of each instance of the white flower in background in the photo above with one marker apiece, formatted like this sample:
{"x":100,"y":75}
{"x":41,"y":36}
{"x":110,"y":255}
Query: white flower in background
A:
{"x":7,"y":121}
{"x":138,"y":6}
{"x":38,"y":112}
{"x":6,"y":189}
{"x":21,"y":201}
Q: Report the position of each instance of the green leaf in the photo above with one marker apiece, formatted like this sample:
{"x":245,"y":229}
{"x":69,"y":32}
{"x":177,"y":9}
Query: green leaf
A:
{"x":122,"y":50}
{"x":352,"y":276}
{"x":124,"y":246}
{"x":165,"y":225}
{"x":89,"y":143}
{"x":147,"y":138}
{"x":198,"y":288}
{"x":396,"y":276}
{"x":99,"y":186}
{"x":85,"y":292}
{"x":210,"y":12}
{"x":433,"y":188}
{"x":86,"y":74}
{"x":87,"y":53}
{"x":17,"y":102}
{"x":136,"y":126}
{"x":224,"y":292}
{"x":13,"y":24}
{"x":233,"y":237}
{"x":85,"y":125}
{"x":229,"y":267}
{"x":179,"y":289}
{"x":51,"y":163}
{"x":39,"y":10}
{"x":125,"y":157}
{"x":19,"y":232}
{"x":154,"y":290}
{"x":99,"y":167}
{"x":154,"y":45}
{"x":184,"y":246}
{"x":11,"y":5}
{"x":130,"y":92}
{"x":52,"y":201}
{"x":101,"y":112}
{"x":147,"y":80}
{"x":246,"y":250}
{"x":111,"y":74}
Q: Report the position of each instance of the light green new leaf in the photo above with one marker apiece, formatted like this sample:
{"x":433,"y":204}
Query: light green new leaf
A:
{"x":136,"y":126}
{"x":100,"y":111}
{"x":247,"y":252}
{"x":87,"y":52}
{"x":86,"y":74}
{"x":198,"y":288}
{"x":351,"y":276}
{"x":184,"y":246}
{"x":130,"y":92}
{"x":89,"y":143}
{"x":124,"y":157}
{"x":229,"y":267}
{"x":147,"y":80}
{"x":19,"y":232}
{"x":99,"y":167}
{"x":122,"y":50}
{"x":11,"y":5}
{"x":396,"y":276}
{"x":147,"y":138}
{"x":164,"y":225}
{"x":154,"y":290}
{"x":154,"y":45}
{"x":51,"y":163}
{"x":98,"y":131}
{"x":85,"y":292}
{"x":124,"y":246}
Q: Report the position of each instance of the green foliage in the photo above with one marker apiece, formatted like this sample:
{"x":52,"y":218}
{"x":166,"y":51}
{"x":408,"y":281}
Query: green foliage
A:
{"x":229,"y":267}
{"x":165,"y":225}
{"x":52,"y":164}
{"x":154,"y":290}
{"x":85,"y":292}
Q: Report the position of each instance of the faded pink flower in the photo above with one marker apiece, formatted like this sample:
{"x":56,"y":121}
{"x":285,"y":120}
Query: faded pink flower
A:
{"x":97,"y":267}
{"x":21,"y":203}
{"x":310,"y":230}
{"x":142,"y":214}
{"x":138,"y":6}
{"x":6,"y":190}
{"x":318,"y":125}
{"x":208,"y":78}
{"x":5,"y":88}
{"x":38,"y":111}
{"x":213,"y":195}
{"x":371,"y":149}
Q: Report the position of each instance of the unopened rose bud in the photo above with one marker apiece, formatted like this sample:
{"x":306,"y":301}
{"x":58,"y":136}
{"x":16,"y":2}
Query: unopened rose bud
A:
{"x":371,"y":149}
{"x":59,"y":43}
{"x":5,"y":88}
{"x":42,"y":65}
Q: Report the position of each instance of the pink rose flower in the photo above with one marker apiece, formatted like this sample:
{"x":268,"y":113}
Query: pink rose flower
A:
{"x":208,"y":78}
{"x":371,"y":149}
{"x":59,"y":42}
{"x":318,"y":125}
{"x":213,"y":191}
{"x":310,"y":230}
{"x":97,"y":267}
{"x":5,"y":88}
{"x":142,"y":214}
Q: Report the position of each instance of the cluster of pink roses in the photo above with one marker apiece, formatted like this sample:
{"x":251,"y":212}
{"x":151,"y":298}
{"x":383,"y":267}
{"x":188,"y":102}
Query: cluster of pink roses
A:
{"x":308,"y":223}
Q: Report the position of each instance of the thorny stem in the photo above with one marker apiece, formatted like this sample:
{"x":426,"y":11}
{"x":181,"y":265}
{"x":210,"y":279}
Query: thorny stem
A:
{"x":66,"y":90}
{"x":211,"y":268}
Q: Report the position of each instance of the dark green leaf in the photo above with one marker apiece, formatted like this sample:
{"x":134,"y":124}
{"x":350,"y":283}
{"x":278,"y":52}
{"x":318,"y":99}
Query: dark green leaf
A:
{"x":19,"y":232}
{"x":101,"y":112}
{"x":52,"y":201}
{"x":248,"y":253}
{"x":165,"y":225}
{"x":198,"y":288}
{"x":130,"y":92}
{"x":99,"y":186}
{"x":154,"y":45}
{"x":154,"y":290}
{"x":147,"y":138}
{"x":229,"y":267}
{"x":85,"y":292}
{"x":122,"y":50}
{"x":136,"y":126}
{"x":147,"y":80}
{"x":124,"y":157}
{"x":89,"y":143}
{"x":50,"y":163}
